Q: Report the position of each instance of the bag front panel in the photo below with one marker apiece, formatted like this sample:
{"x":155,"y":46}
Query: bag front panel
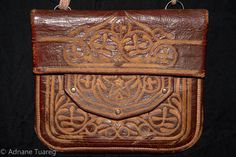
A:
{"x":172,"y":124}
{"x":127,"y":81}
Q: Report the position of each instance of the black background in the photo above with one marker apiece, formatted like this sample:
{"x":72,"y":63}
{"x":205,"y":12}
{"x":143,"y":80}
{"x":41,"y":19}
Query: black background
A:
{"x":16,"y":78}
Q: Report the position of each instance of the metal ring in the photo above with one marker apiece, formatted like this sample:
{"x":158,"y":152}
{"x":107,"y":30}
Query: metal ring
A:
{"x":177,"y":2}
{"x":69,"y":8}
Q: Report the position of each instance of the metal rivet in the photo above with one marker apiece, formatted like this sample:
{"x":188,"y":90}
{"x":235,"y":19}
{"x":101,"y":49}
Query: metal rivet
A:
{"x":118,"y":111}
{"x":164,"y":91}
{"x":73,"y":90}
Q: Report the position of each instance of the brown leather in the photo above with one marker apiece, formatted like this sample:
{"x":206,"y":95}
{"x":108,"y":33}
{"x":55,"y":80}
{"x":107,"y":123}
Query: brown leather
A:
{"x":119,"y":81}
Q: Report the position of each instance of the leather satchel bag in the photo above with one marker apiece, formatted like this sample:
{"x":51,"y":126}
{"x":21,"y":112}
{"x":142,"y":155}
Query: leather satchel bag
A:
{"x":119,"y":81}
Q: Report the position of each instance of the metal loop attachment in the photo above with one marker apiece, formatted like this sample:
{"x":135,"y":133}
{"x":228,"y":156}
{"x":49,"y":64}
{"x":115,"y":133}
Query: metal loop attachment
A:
{"x":57,"y":7}
{"x":63,"y":5}
{"x":174,"y":3}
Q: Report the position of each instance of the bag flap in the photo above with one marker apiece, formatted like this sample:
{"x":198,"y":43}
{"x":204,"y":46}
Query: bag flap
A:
{"x":160,"y":42}
{"x":118,"y":96}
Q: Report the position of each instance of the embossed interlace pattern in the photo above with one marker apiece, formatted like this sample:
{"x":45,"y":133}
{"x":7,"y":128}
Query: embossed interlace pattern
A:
{"x":69,"y":121}
{"x":120,"y":40}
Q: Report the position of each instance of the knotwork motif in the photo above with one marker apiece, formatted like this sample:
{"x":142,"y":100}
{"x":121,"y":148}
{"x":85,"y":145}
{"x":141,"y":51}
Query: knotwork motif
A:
{"x":163,"y":121}
{"x":120,"y":40}
{"x":118,"y":96}
{"x":119,"y":89}
{"x":69,"y":121}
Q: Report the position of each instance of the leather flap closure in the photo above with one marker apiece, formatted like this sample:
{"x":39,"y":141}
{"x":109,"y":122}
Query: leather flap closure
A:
{"x":118,"y":96}
{"x":120,"y":42}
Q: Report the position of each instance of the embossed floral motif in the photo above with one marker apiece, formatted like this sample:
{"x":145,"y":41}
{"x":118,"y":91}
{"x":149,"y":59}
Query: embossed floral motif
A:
{"x":164,"y":54}
{"x":122,"y":89}
{"x":166,"y":118}
{"x":117,"y":95}
{"x":85,"y":81}
{"x":69,"y":121}
{"x":69,"y":118}
{"x":163,"y":121}
{"x":120,"y":40}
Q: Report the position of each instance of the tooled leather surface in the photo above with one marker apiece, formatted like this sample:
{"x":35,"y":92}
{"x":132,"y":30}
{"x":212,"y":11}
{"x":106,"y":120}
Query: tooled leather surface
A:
{"x":65,"y":123}
{"x":118,"y":96}
{"x":120,"y":39}
{"x":156,"y":113}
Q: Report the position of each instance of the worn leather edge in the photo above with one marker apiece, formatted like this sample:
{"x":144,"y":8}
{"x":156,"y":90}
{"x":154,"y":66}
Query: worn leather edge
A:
{"x":97,"y":70}
{"x":194,"y":139}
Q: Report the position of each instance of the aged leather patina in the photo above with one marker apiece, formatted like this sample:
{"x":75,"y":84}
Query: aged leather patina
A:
{"x":119,"y":81}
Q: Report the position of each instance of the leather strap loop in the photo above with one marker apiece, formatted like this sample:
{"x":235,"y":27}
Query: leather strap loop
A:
{"x":64,"y":4}
{"x":173,"y":2}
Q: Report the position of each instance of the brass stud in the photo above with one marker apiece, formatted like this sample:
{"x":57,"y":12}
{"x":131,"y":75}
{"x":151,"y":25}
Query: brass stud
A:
{"x":164,"y":90}
{"x":73,"y":90}
{"x":118,"y":111}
